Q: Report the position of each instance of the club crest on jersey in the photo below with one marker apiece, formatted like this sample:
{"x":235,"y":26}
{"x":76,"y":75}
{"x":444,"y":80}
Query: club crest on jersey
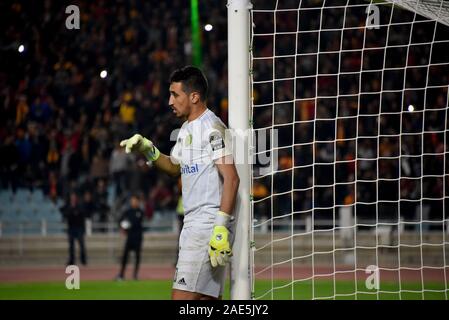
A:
{"x":188,"y":140}
{"x":186,"y":169}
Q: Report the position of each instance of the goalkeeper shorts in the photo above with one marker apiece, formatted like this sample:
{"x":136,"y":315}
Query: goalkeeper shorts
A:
{"x":194,"y":271}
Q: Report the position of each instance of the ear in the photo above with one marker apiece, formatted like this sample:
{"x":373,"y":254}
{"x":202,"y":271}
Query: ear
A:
{"x":194,"y":97}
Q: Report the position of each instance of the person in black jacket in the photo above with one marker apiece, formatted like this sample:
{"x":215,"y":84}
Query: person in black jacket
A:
{"x":75,"y":218}
{"x":9,"y":164}
{"x":131,"y":223}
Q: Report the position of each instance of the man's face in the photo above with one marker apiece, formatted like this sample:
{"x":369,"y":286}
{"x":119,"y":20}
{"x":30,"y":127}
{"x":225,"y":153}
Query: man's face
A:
{"x":179,"y":100}
{"x":73,"y":199}
{"x":134,"y":202}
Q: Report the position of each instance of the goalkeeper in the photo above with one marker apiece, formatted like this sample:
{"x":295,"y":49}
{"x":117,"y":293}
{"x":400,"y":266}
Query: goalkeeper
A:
{"x":209,"y":187}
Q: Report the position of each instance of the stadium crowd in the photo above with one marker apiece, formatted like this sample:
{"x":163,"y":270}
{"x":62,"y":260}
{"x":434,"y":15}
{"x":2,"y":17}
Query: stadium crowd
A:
{"x":61,"y":122}
{"x":369,"y":129}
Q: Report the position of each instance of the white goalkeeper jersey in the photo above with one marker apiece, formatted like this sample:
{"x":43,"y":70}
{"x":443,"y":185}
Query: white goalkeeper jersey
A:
{"x":198,"y":145}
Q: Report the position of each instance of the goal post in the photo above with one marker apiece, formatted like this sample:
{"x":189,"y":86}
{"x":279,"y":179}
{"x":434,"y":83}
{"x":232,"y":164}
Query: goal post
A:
{"x":239,"y":116}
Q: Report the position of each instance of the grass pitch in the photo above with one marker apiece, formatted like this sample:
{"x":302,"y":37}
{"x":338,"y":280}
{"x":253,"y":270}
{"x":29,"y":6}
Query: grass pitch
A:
{"x":161,"y":289}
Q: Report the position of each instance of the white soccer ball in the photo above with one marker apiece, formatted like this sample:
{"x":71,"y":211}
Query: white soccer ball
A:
{"x":125,"y":224}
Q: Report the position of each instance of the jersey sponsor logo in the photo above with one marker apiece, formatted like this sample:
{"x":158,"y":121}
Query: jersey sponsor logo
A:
{"x":216,"y":142}
{"x":186,"y":169}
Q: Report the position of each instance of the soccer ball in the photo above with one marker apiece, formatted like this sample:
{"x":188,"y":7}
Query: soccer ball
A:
{"x":125,"y":224}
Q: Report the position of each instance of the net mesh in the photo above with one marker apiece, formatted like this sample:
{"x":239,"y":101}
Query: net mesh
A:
{"x":350,"y":181}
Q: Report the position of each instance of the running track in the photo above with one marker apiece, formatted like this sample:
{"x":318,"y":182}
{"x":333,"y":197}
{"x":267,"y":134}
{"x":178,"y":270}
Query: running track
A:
{"x":165,"y":272}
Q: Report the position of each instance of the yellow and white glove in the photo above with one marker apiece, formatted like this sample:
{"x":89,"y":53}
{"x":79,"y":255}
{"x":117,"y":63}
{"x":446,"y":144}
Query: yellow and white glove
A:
{"x":219,"y":249}
{"x":141,"y":144}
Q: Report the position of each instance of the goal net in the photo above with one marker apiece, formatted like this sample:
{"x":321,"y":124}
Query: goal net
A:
{"x":350,"y":181}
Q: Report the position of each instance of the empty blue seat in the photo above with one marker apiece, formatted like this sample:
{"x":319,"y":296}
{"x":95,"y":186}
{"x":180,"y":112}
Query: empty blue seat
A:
{"x":25,"y":211}
{"x":22,"y":196}
{"x":37,"y":195}
{"x":5,"y":196}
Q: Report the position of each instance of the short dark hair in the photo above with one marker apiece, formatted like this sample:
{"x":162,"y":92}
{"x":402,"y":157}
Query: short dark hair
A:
{"x":192,"y":79}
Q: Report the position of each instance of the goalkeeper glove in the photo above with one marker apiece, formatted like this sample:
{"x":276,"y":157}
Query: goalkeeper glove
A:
{"x":219,"y":248}
{"x":141,"y":144}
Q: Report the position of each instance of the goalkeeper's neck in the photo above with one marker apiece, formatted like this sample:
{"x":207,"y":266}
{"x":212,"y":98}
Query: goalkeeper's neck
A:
{"x":196,"y":111}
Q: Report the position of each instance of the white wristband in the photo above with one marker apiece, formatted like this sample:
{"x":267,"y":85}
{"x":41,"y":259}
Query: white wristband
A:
{"x":222,"y":218}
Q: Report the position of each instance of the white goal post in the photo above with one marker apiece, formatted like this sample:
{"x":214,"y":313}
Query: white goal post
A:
{"x":239,"y":110}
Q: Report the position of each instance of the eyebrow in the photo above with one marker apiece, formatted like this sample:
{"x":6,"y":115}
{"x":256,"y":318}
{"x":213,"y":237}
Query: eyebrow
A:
{"x":173,"y":92}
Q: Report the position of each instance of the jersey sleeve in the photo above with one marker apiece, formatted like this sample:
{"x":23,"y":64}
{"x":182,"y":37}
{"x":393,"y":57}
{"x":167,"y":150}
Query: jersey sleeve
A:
{"x":176,"y":151}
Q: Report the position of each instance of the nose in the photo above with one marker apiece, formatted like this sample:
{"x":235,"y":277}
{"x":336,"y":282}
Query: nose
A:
{"x":170,"y":100}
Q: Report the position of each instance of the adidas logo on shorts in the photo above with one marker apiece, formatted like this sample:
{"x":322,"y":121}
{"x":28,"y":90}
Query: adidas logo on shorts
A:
{"x":182,"y":281}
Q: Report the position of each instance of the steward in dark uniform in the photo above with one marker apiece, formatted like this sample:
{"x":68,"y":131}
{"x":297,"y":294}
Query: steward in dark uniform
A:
{"x":74,"y":216}
{"x":131,"y":222}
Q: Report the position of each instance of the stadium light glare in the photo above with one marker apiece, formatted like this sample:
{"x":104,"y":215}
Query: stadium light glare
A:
{"x":103,"y":74}
{"x":21,"y":48}
{"x":208,"y":27}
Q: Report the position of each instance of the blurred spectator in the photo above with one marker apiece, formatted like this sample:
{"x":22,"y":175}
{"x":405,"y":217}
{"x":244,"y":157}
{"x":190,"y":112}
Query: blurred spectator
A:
{"x":89,"y":207}
{"x":131,"y":223}
{"x":22,"y":110}
{"x":23,"y":145}
{"x":149,"y":207}
{"x":74,"y":216}
{"x":52,"y":188}
{"x":9,"y":164}
{"x":162,"y":197}
{"x":260,"y":191}
{"x":40,"y":110}
{"x":101,"y":200}
{"x":99,"y":167}
{"x":118,"y":166}
{"x":127,"y":110}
